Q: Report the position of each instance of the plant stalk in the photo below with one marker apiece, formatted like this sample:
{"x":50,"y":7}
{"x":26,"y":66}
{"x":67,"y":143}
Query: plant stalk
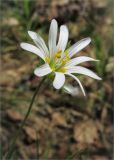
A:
{"x":11,"y":149}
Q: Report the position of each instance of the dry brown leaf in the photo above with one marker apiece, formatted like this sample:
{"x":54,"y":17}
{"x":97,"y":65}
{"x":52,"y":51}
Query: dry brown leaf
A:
{"x":86,"y":132}
{"x":31,"y":133}
{"x":14,"y":115}
{"x":58,"y":119}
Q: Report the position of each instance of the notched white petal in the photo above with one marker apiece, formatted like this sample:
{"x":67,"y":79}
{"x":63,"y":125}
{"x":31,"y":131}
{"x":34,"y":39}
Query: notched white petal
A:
{"x":33,"y":49}
{"x":40,"y":43}
{"x":78,"y":46}
{"x":42,"y":70}
{"x":84,"y":71}
{"x":53,"y":37}
{"x":32,"y":34}
{"x":63,"y":38}
{"x":78,"y":60}
{"x":59,"y":80}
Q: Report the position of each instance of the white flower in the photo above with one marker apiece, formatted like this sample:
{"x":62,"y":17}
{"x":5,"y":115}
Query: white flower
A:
{"x":74,"y":91}
{"x":57,"y":58}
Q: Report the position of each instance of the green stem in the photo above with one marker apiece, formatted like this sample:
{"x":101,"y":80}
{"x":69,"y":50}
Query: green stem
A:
{"x":11,"y":149}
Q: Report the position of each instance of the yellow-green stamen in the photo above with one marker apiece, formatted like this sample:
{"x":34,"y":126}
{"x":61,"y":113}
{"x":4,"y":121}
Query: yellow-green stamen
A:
{"x":58,"y":61}
{"x":47,"y":59}
{"x":58,"y":54}
{"x":63,"y":70}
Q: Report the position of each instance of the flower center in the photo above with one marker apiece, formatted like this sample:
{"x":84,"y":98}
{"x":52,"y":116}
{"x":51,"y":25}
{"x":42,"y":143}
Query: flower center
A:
{"x":58,"y":61}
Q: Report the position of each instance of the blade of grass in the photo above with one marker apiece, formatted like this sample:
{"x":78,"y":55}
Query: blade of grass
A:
{"x":26,"y":8}
{"x":46,"y":154}
{"x":100,"y":55}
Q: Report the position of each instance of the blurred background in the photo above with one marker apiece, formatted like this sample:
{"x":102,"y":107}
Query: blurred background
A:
{"x":60,"y":126}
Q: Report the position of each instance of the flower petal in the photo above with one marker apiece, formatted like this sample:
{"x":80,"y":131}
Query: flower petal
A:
{"x":59,"y":80}
{"x":78,"y":82}
{"x":79,"y":60}
{"x":78,"y":46}
{"x":52,"y":37}
{"x":74,"y":91}
{"x":33,"y":49}
{"x":83,"y":70}
{"x":68,"y":89}
{"x":42,"y":70}
{"x":63,"y":38}
{"x":39,"y":42}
